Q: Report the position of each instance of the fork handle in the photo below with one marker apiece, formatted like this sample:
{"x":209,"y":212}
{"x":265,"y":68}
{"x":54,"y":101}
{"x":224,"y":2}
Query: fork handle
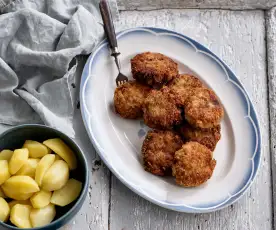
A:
{"x":109,"y":27}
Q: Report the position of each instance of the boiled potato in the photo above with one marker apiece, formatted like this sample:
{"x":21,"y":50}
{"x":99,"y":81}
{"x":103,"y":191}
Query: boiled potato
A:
{"x":43,"y":216}
{"x":6,"y":154}
{"x":43,"y":165}
{"x":16,"y":195}
{"x":67,"y":194}
{"x":4,"y":210}
{"x":2,"y":194}
{"x":41,"y":199}
{"x":4,"y":171}
{"x":14,"y":202}
{"x":21,"y":184}
{"x":60,"y":148}
{"x":20,"y":215}
{"x":18,"y":159}
{"x":36,"y":149}
{"x":28,"y":169}
{"x":56,"y":176}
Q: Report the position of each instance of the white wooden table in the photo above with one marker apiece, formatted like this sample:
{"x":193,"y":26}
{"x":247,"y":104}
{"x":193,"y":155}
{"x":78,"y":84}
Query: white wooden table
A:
{"x":246,"y":41}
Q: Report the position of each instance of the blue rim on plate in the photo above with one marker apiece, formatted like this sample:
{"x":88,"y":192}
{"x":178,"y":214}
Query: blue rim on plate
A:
{"x":251,"y":116}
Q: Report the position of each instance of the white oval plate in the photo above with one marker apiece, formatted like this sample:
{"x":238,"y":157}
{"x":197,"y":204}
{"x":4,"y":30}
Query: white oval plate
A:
{"x":118,"y":141}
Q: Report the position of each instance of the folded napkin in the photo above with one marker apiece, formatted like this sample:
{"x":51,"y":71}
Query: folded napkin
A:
{"x":39,"y":42}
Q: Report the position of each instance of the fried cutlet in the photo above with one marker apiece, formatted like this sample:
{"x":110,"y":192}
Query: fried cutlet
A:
{"x":158,"y":151}
{"x":208,"y":137}
{"x":184,"y":86}
{"x":160,"y":109}
{"x":193,"y":164}
{"x":129,"y":99}
{"x":153,"y":69}
{"x":203,"y":109}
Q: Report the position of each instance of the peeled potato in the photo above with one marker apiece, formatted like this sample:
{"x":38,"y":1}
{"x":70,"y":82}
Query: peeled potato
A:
{"x":4,"y":171}
{"x":60,"y":148}
{"x":28,"y":169}
{"x":21,"y":184}
{"x":41,"y":199}
{"x":20,"y":215}
{"x":67,"y":194}
{"x":43,"y":165}
{"x":14,"y":202}
{"x":16,"y":195}
{"x":6,"y":154}
{"x":18,"y":159}
{"x":4,"y":210}
{"x":36,"y":149}
{"x":43,"y":216}
{"x":56,"y":176}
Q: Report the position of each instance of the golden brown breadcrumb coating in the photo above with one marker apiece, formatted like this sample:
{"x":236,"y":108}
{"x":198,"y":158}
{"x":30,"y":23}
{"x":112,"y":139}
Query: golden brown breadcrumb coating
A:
{"x":160,"y":109}
{"x":208,"y":137}
{"x":158,"y":151}
{"x":203,"y":109}
{"x":153,"y":69}
{"x":184,"y":86}
{"x":129,"y":99}
{"x":193,"y":165}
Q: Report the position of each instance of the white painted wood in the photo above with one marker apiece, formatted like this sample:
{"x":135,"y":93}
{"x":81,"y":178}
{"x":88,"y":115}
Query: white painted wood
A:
{"x":271,"y":56}
{"x":94,"y":213}
{"x":211,"y":4}
{"x":239,"y":39}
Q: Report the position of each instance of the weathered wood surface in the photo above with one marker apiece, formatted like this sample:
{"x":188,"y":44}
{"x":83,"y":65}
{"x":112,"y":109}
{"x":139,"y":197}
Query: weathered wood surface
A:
{"x":271,"y":67}
{"x":94,"y":213}
{"x":239,"y":39}
{"x":211,"y":4}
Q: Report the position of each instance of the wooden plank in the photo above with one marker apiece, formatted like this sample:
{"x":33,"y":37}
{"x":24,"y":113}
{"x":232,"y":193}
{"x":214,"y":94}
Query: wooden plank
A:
{"x":94,"y":213}
{"x":271,"y":58}
{"x":239,"y":39}
{"x":211,"y":4}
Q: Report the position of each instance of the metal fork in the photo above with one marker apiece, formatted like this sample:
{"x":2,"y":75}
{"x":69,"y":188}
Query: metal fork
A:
{"x":111,"y":37}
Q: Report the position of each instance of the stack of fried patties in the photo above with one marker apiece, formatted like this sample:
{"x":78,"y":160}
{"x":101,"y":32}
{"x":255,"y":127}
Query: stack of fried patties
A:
{"x":184,"y":114}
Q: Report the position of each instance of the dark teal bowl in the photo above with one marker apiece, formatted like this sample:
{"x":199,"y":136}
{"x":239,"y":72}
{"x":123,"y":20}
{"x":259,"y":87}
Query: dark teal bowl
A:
{"x":14,"y":138}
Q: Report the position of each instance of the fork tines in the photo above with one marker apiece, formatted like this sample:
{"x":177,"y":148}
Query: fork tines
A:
{"x":121,"y":82}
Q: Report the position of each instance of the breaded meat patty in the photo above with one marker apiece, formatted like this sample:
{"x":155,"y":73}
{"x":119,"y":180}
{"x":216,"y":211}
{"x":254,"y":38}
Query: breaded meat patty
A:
{"x":203,"y":109}
{"x":158,"y":151}
{"x":193,"y":164}
{"x":208,"y":137}
{"x":153,"y":69}
{"x":160,"y":109}
{"x":184,"y":86}
{"x":129,"y":99}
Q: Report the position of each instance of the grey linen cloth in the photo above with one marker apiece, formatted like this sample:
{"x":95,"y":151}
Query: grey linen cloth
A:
{"x":39,"y":42}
